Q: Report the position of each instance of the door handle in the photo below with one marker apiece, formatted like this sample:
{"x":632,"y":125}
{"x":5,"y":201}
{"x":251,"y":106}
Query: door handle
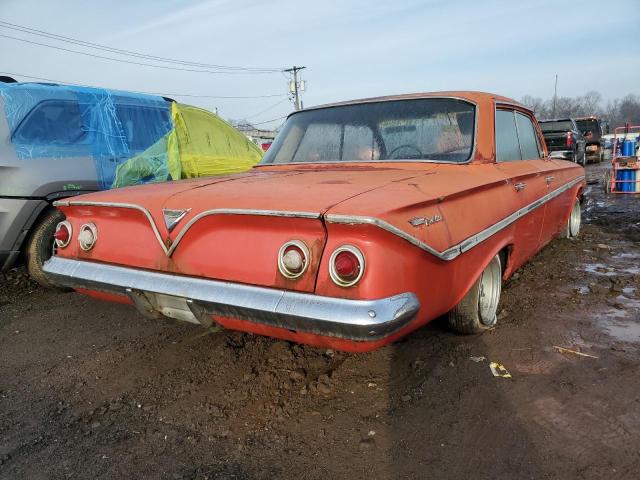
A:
{"x":520,"y":186}
{"x":549,"y":179}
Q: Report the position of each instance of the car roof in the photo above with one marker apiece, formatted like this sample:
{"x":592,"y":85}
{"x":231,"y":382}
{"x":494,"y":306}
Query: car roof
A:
{"x":472,"y":96}
{"x":60,"y":91}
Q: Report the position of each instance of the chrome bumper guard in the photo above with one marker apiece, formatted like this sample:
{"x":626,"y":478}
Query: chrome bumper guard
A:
{"x":151,"y":292}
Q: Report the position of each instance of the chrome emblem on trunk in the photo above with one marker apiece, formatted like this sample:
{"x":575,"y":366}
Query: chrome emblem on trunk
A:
{"x":417,"y":221}
{"x":172,"y":217}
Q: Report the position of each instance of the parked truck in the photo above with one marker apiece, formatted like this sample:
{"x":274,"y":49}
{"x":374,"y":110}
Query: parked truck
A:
{"x":564,"y":139}
{"x":593,"y":129}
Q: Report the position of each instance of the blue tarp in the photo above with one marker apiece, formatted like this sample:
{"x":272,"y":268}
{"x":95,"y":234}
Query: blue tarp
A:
{"x":62,"y":121}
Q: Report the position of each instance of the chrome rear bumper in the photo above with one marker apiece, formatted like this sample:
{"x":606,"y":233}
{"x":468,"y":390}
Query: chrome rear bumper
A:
{"x":359,"y":320}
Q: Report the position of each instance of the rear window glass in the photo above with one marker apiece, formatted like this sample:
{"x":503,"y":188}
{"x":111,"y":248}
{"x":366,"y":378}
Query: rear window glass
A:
{"x":560,"y":125}
{"x":55,"y":122}
{"x":589,"y":125}
{"x":432,"y":129}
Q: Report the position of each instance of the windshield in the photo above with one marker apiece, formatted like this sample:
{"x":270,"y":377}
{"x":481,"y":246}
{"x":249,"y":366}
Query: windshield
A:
{"x":560,"y":125}
{"x":431,"y":129}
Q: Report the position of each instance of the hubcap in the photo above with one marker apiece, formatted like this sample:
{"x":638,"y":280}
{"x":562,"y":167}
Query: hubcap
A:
{"x":489,"y":294}
{"x":575,"y":219}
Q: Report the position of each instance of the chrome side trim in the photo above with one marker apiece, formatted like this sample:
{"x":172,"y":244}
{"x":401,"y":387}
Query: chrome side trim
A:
{"x":131,"y":206}
{"x":358,"y":320}
{"x":206,"y":213}
{"x":238,"y":211}
{"x":467,"y":244}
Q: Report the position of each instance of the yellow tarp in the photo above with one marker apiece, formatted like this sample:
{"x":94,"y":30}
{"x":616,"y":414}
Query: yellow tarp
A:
{"x":200,"y":144}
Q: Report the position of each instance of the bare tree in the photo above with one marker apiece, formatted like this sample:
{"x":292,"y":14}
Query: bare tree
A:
{"x":617,"y":111}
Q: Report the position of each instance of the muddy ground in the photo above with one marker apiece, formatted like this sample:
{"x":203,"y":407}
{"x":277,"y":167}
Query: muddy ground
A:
{"x":91,"y":390}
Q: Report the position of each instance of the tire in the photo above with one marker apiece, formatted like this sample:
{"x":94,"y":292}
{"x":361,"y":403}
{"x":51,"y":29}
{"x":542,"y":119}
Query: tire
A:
{"x":477,"y":311}
{"x":40,"y":246}
{"x":572,"y":228}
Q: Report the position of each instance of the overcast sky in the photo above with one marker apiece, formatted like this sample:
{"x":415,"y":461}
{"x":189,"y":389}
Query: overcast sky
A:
{"x":351,"y":49}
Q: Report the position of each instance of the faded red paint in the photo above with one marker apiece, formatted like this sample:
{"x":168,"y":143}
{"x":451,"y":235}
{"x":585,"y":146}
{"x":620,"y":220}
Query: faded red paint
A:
{"x":244,"y":248}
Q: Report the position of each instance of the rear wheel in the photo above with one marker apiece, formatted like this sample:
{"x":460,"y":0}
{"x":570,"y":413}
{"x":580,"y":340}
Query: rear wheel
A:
{"x":41,"y":245}
{"x":477,"y":311}
{"x":572,"y":229}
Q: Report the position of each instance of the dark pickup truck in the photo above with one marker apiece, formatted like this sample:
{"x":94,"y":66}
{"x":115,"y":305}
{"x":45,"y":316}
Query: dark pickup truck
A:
{"x":593,"y":128}
{"x":564,"y":139}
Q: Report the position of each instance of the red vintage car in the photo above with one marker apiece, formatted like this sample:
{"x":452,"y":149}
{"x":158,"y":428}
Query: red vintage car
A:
{"x":364,"y":221}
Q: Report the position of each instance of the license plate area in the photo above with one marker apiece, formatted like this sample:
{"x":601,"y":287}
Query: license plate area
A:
{"x":172,"y":307}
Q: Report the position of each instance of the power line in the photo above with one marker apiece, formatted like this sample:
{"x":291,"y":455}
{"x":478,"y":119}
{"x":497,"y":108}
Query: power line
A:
{"x":232,"y":97}
{"x":266,"y":109}
{"x":75,"y":41}
{"x":269,"y":121}
{"x":132,"y":62}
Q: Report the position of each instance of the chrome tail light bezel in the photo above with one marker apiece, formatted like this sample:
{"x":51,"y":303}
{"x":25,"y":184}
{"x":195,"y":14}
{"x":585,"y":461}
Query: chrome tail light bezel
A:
{"x":91,"y":227}
{"x":306,"y":260}
{"x":332,"y":266}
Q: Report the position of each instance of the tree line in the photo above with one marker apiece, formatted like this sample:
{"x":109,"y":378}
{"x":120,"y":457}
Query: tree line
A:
{"x":618,"y":111}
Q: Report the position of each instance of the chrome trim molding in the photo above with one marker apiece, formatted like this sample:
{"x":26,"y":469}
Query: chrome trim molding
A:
{"x":238,"y":211}
{"x":448,"y":254}
{"x":215,"y":211}
{"x":467,"y":244}
{"x":131,"y":206}
{"x":301,"y":312}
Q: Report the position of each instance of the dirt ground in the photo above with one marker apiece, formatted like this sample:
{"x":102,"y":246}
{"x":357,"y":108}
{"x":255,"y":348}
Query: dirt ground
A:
{"x":92,"y":390}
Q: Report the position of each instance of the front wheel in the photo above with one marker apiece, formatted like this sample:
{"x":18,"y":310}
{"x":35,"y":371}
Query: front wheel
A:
{"x":477,"y":311}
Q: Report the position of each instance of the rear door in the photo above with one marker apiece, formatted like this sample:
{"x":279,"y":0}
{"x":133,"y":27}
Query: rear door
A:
{"x":518,"y":160}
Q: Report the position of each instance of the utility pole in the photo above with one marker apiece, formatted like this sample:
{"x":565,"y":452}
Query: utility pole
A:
{"x":555,"y":96}
{"x":296,"y":87}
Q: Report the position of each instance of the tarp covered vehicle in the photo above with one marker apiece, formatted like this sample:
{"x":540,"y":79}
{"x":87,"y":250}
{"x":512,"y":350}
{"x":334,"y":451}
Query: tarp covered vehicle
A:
{"x":58,"y":141}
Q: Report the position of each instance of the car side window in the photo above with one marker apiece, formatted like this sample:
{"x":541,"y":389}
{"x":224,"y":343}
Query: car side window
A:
{"x":507,"y":147}
{"x":55,"y":122}
{"x":143,"y":126}
{"x":527,"y":137}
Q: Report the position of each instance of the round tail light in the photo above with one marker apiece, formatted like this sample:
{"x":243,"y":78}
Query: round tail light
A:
{"x":63,"y":233}
{"x":346,"y":266}
{"x":87,"y":236}
{"x":293,"y":259}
